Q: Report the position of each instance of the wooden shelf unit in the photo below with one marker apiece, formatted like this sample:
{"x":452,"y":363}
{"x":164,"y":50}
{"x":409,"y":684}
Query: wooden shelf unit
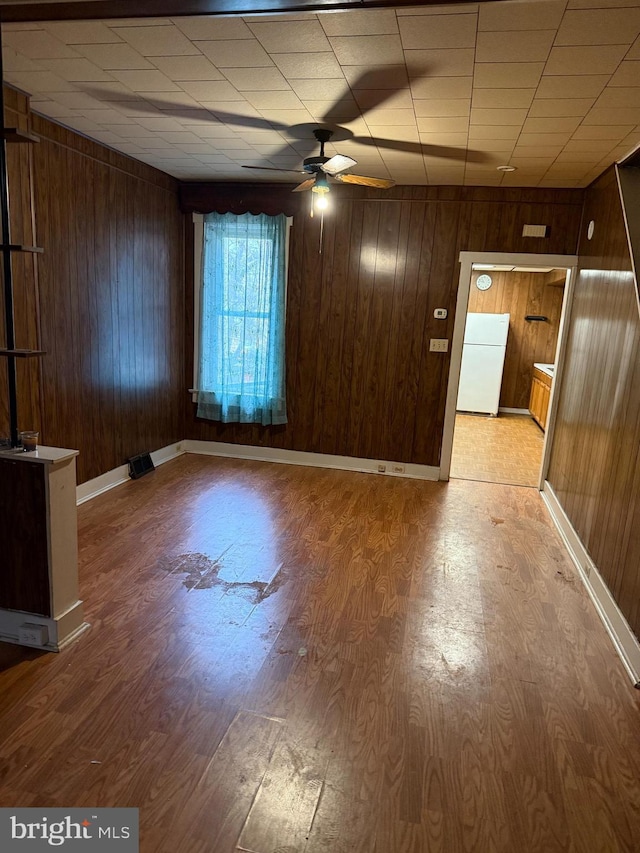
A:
{"x":21,"y":353}
{"x":20,"y":137}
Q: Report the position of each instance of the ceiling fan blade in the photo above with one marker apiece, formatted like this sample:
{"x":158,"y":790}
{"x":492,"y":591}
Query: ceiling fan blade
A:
{"x":339,"y":163}
{"x":273,"y":169}
{"x":444,"y":151}
{"x":380,"y":183}
{"x":305,"y":185}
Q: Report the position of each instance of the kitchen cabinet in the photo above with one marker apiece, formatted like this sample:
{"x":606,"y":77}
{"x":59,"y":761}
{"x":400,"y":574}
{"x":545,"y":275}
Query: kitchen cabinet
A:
{"x":539,"y":399}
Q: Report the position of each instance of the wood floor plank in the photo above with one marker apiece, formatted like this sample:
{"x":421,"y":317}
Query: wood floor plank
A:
{"x":288,"y":658}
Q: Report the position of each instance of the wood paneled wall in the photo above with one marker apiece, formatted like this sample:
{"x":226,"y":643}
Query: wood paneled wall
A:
{"x":360,"y":378}
{"x":595,"y":463}
{"x":519,"y":294}
{"x":24,"y":268}
{"x":111,"y":300}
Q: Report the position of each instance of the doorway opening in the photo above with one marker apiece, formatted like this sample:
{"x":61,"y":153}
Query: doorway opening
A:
{"x":506,"y":361}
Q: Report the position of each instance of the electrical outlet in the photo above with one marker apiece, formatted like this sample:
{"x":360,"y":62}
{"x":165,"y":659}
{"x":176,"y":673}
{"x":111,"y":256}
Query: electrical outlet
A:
{"x":397,"y":469}
{"x":33,"y":635}
{"x":382,"y":469}
{"x":438,"y":345}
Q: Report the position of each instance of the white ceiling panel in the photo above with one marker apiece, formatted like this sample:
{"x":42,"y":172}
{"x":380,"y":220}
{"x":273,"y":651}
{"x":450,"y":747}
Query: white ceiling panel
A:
{"x":551,"y":86}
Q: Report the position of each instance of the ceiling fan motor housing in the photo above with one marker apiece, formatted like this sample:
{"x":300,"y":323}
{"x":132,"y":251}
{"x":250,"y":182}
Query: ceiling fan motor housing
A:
{"x":313,"y":164}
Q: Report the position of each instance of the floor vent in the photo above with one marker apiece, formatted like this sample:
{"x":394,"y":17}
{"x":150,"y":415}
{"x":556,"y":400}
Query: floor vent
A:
{"x":140,"y":465}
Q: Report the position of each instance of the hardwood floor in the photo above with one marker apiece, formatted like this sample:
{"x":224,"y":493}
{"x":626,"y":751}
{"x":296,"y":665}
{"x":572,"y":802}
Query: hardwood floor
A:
{"x":506,"y":449}
{"x":305,"y":660}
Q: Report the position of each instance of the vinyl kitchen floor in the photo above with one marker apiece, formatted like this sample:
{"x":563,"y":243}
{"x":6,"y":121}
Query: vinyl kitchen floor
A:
{"x":506,"y":449}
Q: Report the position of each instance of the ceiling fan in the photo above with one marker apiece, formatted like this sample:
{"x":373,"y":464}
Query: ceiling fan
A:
{"x":320,"y":167}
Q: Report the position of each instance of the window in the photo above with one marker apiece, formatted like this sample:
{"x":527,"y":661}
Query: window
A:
{"x":241,"y":372}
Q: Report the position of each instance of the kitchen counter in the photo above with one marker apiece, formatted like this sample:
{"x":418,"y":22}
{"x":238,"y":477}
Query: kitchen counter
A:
{"x":546,"y":368}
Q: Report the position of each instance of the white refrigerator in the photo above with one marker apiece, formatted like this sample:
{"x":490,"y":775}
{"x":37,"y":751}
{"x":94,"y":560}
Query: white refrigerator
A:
{"x":485,"y":343}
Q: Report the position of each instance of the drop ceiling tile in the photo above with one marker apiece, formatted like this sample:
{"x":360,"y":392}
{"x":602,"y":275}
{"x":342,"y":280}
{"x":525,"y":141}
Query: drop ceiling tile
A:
{"x":243,"y":53}
{"x":543,"y":139}
{"x":388,"y":77}
{"x":628,"y":74}
{"x":106,"y":137}
{"x":38,"y":44}
{"x":136,"y":108}
{"x":146,"y":81}
{"x":404,"y":133}
{"x":81,"y":32}
{"x":620,"y":96}
{"x":599,"y":27}
{"x":531,"y":163}
{"x":438,"y":31}
{"x":37,"y":82}
{"x":363,"y":22}
{"x":503,"y":98}
{"x":446,"y":107}
{"x":444,"y":63}
{"x":214,"y":130}
{"x":211,"y":90}
{"x":616,"y":116}
{"x":75,"y":100}
{"x":507,"y":75}
{"x":104,"y":116}
{"x":291,"y":36}
{"x":481,"y":131}
{"x":180,"y":137}
{"x":383,"y":117}
{"x":13,"y":61}
{"x":372,"y":98}
{"x":331,"y":111}
{"x":140,"y":22}
{"x":256,"y":79}
{"x":365,"y":50}
{"x":132,"y":131}
{"x":160,"y":124}
{"x":597,"y":146}
{"x":498,"y":117}
{"x":196,"y":148}
{"x":585,"y":60}
{"x":441,"y":87}
{"x":552,"y":125}
{"x":179,"y":68}
{"x":158,"y":41}
{"x":213,"y":27}
{"x":114,"y":57}
{"x":634,"y":50}
{"x":329,"y":90}
{"x":308,"y":66}
{"x":584,"y":157}
{"x":549,"y":107}
{"x":274,"y":100}
{"x":456,"y":140}
{"x":288,"y":117}
{"x":78,"y":69}
{"x":549,"y":151}
{"x":603,"y":131}
{"x":572,"y":86}
{"x":454,"y":124}
{"x":522,"y":46}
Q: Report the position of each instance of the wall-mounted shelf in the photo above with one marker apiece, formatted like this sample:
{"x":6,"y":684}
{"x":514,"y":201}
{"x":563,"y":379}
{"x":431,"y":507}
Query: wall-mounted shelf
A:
{"x":21,"y":353}
{"x":12,"y":134}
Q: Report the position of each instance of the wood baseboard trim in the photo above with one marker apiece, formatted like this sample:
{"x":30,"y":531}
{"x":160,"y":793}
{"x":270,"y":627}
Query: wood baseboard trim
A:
{"x":509,"y":411}
{"x":618,"y":628}
{"x":62,"y":630}
{"x":117,"y":476}
{"x":314,"y":460}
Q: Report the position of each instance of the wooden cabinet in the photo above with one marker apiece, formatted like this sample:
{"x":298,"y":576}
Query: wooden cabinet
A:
{"x":539,"y":399}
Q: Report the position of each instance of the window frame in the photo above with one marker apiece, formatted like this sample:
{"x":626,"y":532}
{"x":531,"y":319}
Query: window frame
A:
{"x":198,"y":247}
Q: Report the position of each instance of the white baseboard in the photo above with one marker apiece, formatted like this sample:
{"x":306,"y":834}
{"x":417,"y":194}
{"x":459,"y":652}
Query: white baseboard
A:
{"x":623,"y":638}
{"x":314,"y":460}
{"x":509,"y":411}
{"x":117,"y":476}
{"x":61,"y":630}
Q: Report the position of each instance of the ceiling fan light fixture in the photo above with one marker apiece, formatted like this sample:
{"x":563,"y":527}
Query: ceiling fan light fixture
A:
{"x":321,"y":188}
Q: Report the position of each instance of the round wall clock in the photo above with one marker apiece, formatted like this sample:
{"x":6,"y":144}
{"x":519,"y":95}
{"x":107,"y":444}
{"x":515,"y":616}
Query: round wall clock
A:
{"x":484,"y":282}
